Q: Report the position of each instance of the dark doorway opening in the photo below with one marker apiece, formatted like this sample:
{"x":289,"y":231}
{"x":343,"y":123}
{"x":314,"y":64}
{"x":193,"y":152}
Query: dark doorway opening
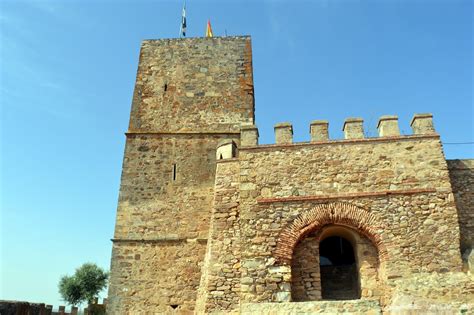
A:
{"x":338,"y":268}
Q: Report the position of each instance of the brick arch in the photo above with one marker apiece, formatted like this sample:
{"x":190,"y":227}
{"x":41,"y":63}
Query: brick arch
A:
{"x":345,"y":214}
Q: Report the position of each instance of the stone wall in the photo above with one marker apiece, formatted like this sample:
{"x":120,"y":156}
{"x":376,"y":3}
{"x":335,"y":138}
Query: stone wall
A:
{"x":345,"y":166}
{"x":169,"y":212}
{"x":396,"y":192}
{"x":220,"y":282}
{"x":21,"y":307}
{"x":153,"y":202}
{"x":432,"y":293}
{"x":162,"y":276}
{"x":305,"y":271}
{"x":193,"y":84}
{"x":190,"y":95}
{"x":461,"y":173}
{"x":367,"y":307}
{"x":28,"y":308}
{"x":240,"y":232}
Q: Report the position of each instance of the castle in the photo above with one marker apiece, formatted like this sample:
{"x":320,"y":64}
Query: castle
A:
{"x":209,"y":221}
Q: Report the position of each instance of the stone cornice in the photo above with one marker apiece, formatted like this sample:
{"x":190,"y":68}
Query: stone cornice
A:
{"x":339,"y":142}
{"x":178,"y":133}
{"x":347,"y":195}
{"x":161,"y":240}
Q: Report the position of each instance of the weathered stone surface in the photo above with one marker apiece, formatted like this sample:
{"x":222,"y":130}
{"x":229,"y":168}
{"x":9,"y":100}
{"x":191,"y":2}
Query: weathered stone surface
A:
{"x":242,"y":234}
{"x":226,"y":149}
{"x":422,"y":124}
{"x":319,"y":130}
{"x":21,"y":307}
{"x":190,"y":96}
{"x":432,"y":293}
{"x":283,"y":133}
{"x":166,"y":274}
{"x":248,"y":136}
{"x":193,"y":84}
{"x":353,"y":128}
{"x":367,"y":307}
{"x":388,"y":126}
{"x":221,"y":270}
{"x":461,"y":173}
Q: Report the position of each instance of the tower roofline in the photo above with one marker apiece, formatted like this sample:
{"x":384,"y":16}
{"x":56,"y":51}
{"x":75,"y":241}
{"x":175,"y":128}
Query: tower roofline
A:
{"x":197,"y":38}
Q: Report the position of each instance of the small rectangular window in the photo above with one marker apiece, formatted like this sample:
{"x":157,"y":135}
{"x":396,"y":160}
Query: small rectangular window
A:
{"x":174,"y":172}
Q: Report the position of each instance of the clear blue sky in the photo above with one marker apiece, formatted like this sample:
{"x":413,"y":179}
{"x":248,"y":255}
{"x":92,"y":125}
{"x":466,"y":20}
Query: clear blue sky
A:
{"x":67,"y":75}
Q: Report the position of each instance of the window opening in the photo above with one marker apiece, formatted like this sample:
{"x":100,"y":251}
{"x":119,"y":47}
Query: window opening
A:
{"x":339,"y":277}
{"x":174,"y":172}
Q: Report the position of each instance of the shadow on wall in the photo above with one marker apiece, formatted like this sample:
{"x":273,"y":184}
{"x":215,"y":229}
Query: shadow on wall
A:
{"x":461,"y":173}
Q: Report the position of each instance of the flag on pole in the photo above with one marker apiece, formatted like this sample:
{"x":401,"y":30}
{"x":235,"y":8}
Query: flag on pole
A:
{"x":182,"y":30}
{"x":209,"y":29}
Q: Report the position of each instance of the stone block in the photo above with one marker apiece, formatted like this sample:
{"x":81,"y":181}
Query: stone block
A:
{"x":422,"y":124}
{"x":353,"y":128}
{"x":283,"y":133}
{"x":319,"y":130}
{"x":388,"y":126}
{"x":226,"y":149}
{"x":248,"y":135}
{"x":282,"y":296}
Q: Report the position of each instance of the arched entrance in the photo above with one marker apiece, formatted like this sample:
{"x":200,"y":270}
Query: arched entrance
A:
{"x":338,"y":269}
{"x":299,"y":244}
{"x":325,"y":265}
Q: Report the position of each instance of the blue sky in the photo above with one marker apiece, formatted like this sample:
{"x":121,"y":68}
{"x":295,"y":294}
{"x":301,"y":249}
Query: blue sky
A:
{"x":67,"y":72}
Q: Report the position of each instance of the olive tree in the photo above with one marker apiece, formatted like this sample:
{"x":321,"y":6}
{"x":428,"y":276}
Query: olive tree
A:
{"x":84,"y":285}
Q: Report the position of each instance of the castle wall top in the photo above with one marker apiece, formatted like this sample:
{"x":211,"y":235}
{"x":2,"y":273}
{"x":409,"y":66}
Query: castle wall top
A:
{"x":346,"y":166}
{"x":191,"y":40}
{"x":422,"y":125}
{"x":193,"y":85}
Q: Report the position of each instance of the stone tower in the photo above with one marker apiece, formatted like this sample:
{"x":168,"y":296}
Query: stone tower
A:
{"x":190,"y":95}
{"x":211,"y":221}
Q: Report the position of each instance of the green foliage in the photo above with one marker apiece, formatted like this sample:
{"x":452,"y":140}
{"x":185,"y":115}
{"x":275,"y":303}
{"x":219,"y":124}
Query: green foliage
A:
{"x":92,"y":279}
{"x":84,"y":285}
{"x":70,"y":290}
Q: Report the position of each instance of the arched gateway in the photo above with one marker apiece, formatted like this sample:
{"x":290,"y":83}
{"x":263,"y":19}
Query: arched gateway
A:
{"x":206,"y":217}
{"x":334,"y":252}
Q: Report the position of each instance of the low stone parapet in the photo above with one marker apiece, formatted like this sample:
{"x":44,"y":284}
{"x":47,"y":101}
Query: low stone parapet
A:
{"x":366,"y":307}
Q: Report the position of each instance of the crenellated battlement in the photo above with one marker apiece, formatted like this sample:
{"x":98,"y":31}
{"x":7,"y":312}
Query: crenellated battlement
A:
{"x":353,"y":128}
{"x":210,"y":221}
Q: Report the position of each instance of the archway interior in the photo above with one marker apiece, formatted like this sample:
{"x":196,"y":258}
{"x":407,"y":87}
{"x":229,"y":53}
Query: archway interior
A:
{"x":338,"y":268}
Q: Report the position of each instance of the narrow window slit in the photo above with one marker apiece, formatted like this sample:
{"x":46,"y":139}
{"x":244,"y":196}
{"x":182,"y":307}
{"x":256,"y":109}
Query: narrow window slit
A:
{"x":174,"y":171}
{"x":166,"y":87}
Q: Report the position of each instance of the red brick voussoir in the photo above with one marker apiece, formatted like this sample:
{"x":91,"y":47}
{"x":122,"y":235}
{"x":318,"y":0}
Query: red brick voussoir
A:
{"x":364,"y":222}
